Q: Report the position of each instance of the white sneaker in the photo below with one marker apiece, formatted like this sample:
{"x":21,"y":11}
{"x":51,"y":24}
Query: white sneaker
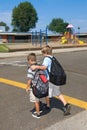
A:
{"x":36,"y":115}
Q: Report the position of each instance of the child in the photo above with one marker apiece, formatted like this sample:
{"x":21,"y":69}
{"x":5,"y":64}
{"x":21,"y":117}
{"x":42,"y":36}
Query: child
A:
{"x":54,"y":90}
{"x":30,"y":75}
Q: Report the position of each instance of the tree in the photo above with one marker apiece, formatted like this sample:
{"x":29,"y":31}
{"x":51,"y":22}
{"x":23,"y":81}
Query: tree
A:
{"x":4,"y":24}
{"x":58,"y":25}
{"x":24,"y":17}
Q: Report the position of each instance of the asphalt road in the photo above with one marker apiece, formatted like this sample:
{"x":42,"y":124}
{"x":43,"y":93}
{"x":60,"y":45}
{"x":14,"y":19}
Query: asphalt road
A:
{"x":14,"y":102}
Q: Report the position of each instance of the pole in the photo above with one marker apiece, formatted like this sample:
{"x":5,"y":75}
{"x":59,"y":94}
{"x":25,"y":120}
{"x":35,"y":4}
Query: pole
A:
{"x":40,"y":38}
{"x":46,"y":36}
{"x":32,"y":39}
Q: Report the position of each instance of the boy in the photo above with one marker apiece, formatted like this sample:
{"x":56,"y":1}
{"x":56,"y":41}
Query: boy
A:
{"x":30,"y":75}
{"x":54,"y":90}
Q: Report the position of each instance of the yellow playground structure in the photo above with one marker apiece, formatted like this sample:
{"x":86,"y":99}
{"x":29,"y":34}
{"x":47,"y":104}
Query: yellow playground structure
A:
{"x":70,"y":38}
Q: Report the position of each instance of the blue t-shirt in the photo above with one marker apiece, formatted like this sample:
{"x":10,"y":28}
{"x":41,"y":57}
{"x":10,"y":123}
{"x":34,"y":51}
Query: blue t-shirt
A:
{"x":47,"y":62}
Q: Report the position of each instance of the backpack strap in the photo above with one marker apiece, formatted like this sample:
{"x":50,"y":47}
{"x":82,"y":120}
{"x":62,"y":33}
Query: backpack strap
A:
{"x":50,"y":57}
{"x":32,"y":70}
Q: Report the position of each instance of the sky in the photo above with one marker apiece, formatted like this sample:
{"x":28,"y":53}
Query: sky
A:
{"x":71,"y":11}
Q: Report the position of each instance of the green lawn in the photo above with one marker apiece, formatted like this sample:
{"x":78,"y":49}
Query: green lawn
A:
{"x":4,"y":48}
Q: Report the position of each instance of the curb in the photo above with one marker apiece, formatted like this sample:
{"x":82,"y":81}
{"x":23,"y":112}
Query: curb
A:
{"x":39,"y":48}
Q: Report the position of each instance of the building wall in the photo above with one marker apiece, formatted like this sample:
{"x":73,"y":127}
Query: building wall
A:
{"x":8,"y":38}
{"x":54,"y":38}
{"x":11,"y":38}
{"x":4,"y":38}
{"x":26,"y":38}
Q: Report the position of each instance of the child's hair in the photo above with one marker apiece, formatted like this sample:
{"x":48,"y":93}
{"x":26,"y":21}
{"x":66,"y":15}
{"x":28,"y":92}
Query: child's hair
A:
{"x":32,"y":57}
{"x":47,"y":50}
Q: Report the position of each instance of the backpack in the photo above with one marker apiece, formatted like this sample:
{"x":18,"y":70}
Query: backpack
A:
{"x":57,"y":74}
{"x":40,"y":84}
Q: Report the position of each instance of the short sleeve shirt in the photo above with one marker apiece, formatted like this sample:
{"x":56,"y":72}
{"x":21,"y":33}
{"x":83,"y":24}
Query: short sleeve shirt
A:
{"x":47,"y":62}
{"x":30,"y":74}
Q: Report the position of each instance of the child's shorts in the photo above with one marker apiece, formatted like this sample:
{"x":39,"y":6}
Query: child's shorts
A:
{"x":32,"y":97}
{"x":54,"y":90}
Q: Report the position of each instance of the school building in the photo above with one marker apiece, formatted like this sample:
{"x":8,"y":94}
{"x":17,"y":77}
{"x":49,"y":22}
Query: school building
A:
{"x":9,"y":37}
{"x":12,"y":37}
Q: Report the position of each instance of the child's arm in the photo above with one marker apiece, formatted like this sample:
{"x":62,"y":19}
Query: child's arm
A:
{"x":28,"y":85}
{"x":34,"y":67}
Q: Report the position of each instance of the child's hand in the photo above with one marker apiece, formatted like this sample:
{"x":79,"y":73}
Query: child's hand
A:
{"x":33,"y":67}
{"x":27,"y":90}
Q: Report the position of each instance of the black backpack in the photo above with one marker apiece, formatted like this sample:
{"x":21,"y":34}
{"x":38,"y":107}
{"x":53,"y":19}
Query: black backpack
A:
{"x":57,"y":74}
{"x":40,"y":84}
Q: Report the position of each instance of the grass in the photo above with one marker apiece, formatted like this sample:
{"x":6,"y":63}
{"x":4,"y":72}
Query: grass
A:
{"x":4,"y":48}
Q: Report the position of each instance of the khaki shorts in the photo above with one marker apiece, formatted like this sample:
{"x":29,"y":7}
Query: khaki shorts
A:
{"x":54,"y":90}
{"x":32,"y":97}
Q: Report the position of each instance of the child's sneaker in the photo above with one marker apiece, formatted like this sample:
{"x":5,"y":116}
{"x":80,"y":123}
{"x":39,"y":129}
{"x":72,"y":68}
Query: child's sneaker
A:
{"x":67,"y":109}
{"x":33,"y":110}
{"x":47,"y":108}
{"x":36,"y":112}
{"x":36,"y":115}
{"x":41,"y":107}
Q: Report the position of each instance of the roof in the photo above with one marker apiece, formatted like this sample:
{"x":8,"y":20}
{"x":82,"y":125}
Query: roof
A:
{"x":14,"y":33}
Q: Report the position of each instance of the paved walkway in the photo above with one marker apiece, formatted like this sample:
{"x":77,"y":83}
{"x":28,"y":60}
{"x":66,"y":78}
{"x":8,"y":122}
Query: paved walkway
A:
{"x":76,"y":122}
{"x":25,"y":53}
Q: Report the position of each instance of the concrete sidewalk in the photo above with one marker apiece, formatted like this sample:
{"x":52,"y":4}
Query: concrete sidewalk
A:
{"x":25,"y":53}
{"x":76,"y":122}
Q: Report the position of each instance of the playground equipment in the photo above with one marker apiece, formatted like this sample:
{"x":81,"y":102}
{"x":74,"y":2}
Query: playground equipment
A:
{"x":64,"y":40}
{"x":70,"y":37}
{"x":78,"y":41}
{"x":39,"y":37}
{"x":73,"y":39}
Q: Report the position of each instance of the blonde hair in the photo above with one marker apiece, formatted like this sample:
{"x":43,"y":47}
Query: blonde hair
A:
{"x":32,"y":57}
{"x":47,"y":50}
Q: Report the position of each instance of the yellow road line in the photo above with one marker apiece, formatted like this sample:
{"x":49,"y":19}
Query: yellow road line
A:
{"x":74,"y":101}
{"x":13,"y":83}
